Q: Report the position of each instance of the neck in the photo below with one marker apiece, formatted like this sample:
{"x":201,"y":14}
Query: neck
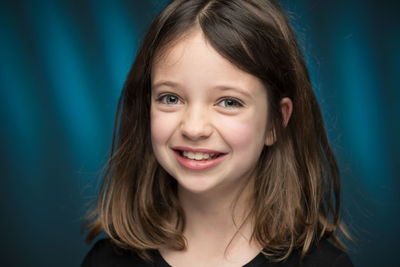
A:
{"x":217,"y":230}
{"x":218,"y":218}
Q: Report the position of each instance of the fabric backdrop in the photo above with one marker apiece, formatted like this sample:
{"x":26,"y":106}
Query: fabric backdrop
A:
{"x":62,"y":66}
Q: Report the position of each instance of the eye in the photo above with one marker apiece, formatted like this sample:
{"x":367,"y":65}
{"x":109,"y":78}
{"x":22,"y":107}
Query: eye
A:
{"x":230,"y":103}
{"x":169,"y":99}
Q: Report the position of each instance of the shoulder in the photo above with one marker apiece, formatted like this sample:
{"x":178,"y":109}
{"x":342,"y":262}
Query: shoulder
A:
{"x":104,"y":253}
{"x":326,"y":254}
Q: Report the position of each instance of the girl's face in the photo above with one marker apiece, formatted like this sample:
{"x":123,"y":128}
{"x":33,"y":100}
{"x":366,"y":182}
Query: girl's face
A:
{"x":208,"y":118}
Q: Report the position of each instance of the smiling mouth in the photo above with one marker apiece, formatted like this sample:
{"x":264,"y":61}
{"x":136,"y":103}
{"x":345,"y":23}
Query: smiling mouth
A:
{"x":198,"y":159}
{"x":198,"y":155}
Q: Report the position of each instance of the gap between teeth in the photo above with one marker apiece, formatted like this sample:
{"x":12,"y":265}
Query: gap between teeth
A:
{"x":198,"y":155}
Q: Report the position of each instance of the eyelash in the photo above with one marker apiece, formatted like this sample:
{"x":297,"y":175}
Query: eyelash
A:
{"x":163,"y":99}
{"x":236,"y":103}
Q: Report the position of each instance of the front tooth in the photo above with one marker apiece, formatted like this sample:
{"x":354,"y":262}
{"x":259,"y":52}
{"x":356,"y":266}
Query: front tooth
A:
{"x":195,"y":155}
{"x":198,"y":156}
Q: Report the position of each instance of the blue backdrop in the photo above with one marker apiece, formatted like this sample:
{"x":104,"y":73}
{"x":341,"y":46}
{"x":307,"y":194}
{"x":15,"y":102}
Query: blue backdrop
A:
{"x":62,"y":66}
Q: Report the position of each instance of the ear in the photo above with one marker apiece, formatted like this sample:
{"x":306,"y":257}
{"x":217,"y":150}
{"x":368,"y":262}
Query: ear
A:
{"x":286,"y":109}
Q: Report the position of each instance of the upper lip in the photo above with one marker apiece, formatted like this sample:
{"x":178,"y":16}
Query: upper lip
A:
{"x":192,"y":149}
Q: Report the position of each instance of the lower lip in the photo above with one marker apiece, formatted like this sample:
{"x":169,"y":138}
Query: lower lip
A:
{"x":197,"y":164}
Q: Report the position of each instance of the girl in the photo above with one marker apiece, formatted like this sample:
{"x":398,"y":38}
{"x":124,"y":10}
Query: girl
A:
{"x":220,"y":156}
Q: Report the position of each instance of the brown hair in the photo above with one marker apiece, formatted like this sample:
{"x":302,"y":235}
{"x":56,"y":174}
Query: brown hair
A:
{"x":297,"y":185}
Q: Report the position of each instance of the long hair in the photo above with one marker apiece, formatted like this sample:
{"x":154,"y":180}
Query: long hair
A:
{"x":296,"y":200}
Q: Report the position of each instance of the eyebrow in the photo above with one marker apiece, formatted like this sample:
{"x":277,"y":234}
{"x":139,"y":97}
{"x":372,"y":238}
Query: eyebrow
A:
{"x":233,"y":88}
{"x":165,"y":83}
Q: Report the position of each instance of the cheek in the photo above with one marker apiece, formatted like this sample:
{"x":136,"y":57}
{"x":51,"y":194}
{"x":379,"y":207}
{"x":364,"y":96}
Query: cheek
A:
{"x":163,"y":125}
{"x":159,"y":129}
{"x":157,"y":126}
{"x":245,"y":133}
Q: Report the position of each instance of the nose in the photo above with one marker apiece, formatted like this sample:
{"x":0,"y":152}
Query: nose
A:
{"x":195,"y":124}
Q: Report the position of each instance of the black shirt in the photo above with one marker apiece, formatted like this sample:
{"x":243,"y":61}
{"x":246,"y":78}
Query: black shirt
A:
{"x":104,"y":254}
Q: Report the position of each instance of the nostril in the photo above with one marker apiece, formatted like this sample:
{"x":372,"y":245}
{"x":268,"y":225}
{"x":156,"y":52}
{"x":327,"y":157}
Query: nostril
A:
{"x":196,"y":131}
{"x":195,"y":123}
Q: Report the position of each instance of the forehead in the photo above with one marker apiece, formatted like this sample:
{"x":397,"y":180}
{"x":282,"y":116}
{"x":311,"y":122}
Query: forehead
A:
{"x":192,"y":60}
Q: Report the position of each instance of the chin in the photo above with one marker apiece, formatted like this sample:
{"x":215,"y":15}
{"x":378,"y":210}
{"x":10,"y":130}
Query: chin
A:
{"x":199,"y":186}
